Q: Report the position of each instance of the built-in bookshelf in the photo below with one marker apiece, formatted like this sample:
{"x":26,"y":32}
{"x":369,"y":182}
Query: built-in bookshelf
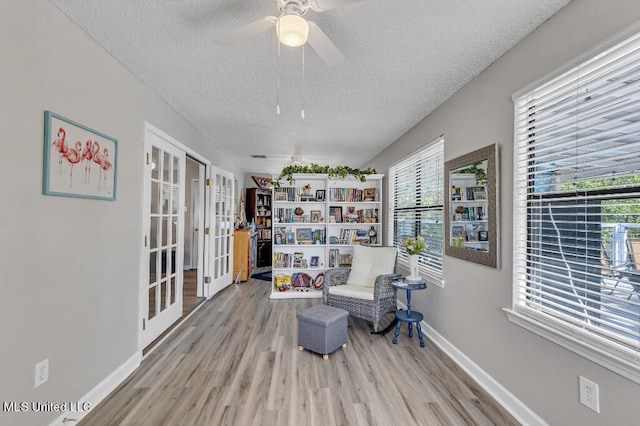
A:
{"x":469,"y":221}
{"x":259,"y":211}
{"x":316,"y":223}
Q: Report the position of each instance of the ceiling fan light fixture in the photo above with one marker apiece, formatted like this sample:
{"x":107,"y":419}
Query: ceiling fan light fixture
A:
{"x":293,"y":30}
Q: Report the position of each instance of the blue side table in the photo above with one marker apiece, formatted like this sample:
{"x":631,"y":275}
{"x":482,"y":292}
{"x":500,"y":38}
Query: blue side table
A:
{"x":409,"y":316}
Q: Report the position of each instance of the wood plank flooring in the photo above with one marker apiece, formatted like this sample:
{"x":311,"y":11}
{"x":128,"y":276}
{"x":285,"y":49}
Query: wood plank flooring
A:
{"x":190,"y":297}
{"x":235,"y":361}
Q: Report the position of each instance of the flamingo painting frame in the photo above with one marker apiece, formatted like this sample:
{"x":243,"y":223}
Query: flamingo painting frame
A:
{"x":78,"y":161}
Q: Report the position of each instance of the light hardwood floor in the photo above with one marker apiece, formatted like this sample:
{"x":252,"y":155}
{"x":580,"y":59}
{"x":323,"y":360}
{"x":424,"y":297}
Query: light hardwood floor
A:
{"x":190,"y":297}
{"x":190,"y":301}
{"x":235,"y":361}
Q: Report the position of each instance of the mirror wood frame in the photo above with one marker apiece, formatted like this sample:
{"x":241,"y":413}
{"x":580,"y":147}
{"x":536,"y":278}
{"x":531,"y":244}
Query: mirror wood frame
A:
{"x":491,"y":257}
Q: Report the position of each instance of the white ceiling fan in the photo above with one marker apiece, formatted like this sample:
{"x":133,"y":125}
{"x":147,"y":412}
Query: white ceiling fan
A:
{"x":293,"y":29}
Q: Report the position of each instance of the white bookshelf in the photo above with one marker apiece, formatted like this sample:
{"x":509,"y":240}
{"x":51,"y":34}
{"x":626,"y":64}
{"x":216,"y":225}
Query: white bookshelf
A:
{"x":322,"y":233}
{"x":469,"y":209}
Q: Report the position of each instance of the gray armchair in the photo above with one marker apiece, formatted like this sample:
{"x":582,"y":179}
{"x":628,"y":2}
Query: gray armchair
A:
{"x":365,"y":290}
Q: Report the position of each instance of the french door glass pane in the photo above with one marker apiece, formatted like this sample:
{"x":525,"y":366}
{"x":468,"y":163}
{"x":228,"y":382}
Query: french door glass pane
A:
{"x":155,"y":197}
{"x":173,"y":290}
{"x":176,"y":169}
{"x":166,"y":167}
{"x":163,"y":295}
{"x":152,"y":302}
{"x":174,"y":230}
{"x":166,"y":195}
{"x":153,"y":233}
{"x":153,"y":266}
{"x":155,"y":163}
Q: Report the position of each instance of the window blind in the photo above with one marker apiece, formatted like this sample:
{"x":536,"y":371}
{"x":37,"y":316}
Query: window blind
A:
{"x":416,"y":205}
{"x":577,"y":203}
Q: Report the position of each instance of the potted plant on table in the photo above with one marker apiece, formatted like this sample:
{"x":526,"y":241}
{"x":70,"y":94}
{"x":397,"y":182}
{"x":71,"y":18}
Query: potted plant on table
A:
{"x":413,"y":246}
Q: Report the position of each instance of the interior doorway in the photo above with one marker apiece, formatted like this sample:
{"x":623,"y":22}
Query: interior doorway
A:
{"x":188,"y":218}
{"x":163,"y":222}
{"x":175,"y":212}
{"x":195,"y":199}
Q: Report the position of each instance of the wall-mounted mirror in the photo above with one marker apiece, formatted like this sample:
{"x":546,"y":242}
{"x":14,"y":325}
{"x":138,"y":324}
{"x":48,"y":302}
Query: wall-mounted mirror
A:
{"x":471,"y":210}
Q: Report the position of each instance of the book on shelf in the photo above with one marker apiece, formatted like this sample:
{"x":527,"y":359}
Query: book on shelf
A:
{"x":473,"y":213}
{"x":353,"y":236}
{"x":288,"y":215}
{"x":468,"y":193}
{"x":346,"y":195}
{"x":293,"y":194}
{"x":287,"y":236}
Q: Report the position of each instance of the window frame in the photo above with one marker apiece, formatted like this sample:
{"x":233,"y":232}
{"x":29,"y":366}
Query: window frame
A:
{"x":431,"y":274}
{"x":590,"y":345}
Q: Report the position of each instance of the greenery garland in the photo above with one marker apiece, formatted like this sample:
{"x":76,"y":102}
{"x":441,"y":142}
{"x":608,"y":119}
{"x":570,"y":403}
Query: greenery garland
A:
{"x":333,"y":172}
{"x":481,"y":174}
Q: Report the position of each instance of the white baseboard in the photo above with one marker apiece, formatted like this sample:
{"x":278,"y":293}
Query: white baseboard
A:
{"x":506,"y":399}
{"x":83,"y":406}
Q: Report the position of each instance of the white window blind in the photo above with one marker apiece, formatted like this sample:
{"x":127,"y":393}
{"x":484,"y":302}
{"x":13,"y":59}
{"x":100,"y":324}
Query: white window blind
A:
{"x":416,"y":206}
{"x":577,"y":207}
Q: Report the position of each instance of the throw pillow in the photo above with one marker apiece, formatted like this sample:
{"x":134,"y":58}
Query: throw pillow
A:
{"x":369,"y":262}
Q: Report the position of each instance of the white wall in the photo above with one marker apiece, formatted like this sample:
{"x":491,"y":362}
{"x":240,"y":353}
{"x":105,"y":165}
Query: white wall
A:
{"x":69,"y":268}
{"x":467,"y":312}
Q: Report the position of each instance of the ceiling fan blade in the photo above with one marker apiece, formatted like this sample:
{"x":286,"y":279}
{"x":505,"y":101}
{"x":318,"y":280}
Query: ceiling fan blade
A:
{"x":322,"y":5}
{"x":323,"y":46}
{"x":248,"y":31}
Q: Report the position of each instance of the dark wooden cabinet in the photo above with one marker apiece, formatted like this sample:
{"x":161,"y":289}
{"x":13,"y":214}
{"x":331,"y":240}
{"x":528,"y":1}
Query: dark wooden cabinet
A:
{"x":259,"y":211}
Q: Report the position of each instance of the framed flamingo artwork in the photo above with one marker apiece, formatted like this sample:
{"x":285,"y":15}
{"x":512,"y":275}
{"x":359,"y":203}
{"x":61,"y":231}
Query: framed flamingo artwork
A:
{"x":78,"y":161}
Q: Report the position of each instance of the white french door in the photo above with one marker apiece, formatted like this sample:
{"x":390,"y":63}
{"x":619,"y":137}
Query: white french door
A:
{"x":222,"y":222}
{"x":164,"y":235}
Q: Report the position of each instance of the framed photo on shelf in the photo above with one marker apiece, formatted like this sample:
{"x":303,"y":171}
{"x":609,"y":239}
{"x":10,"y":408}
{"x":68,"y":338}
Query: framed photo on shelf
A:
{"x":457,"y":231}
{"x":483,"y":236}
{"x":480,"y":195}
{"x":280,"y":196}
{"x":315,"y":261}
{"x":456,"y":193}
{"x":291,"y":238}
{"x":472,"y":235}
{"x":278,"y":239}
{"x":345,"y":259}
{"x":315,"y":216}
{"x":369,"y":194}
{"x":320,"y":195}
{"x":304,"y":235}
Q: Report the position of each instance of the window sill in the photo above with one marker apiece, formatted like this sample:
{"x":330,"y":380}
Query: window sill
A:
{"x":617,"y":361}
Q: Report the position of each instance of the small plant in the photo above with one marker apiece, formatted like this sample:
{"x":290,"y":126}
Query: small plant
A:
{"x":414,"y":245}
{"x":481,"y":174}
{"x":458,"y":241}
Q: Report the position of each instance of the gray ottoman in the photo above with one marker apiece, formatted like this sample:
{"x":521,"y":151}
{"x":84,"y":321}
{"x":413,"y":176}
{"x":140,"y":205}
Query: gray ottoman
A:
{"x":322,"y":329}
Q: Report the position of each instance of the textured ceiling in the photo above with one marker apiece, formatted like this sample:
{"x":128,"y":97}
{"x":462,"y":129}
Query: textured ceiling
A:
{"x":403,"y":59}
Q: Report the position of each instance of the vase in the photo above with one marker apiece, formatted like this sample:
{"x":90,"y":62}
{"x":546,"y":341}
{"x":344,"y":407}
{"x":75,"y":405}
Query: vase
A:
{"x":413,"y":268}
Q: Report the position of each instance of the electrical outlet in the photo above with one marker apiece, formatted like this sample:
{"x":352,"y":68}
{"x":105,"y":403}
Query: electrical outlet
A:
{"x":42,"y":372}
{"x":589,"y":394}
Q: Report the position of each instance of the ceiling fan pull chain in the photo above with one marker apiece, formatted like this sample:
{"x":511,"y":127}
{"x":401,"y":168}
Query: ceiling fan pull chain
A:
{"x":278,"y":84}
{"x":302,"y":112}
